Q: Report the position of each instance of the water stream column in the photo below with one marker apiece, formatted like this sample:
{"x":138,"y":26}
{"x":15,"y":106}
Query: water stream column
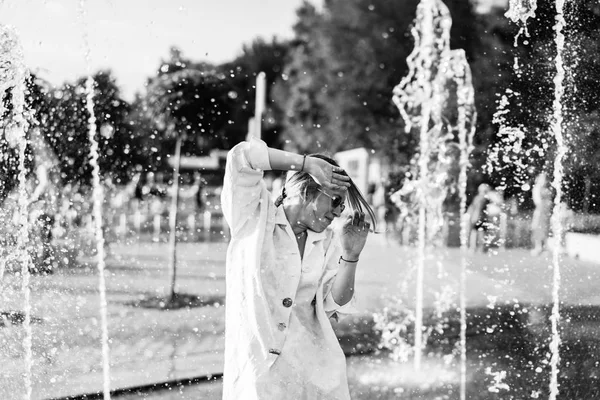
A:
{"x":14,"y":74}
{"x":556,"y":221}
{"x":98,"y":198}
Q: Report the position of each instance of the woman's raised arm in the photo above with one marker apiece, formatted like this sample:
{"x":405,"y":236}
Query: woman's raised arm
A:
{"x":243,"y":186}
{"x":325,"y":174}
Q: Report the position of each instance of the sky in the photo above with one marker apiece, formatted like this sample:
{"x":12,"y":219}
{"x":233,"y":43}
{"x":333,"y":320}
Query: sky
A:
{"x":131,"y":37}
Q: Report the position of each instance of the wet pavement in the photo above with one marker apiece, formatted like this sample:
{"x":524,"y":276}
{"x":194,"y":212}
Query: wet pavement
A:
{"x":151,"y":346}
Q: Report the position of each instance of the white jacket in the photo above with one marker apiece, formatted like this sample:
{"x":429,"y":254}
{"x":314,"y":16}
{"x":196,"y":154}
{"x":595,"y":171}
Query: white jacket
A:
{"x":263,"y":270}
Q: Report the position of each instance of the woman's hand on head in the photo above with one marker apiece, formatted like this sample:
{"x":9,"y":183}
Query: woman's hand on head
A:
{"x":327,"y":175}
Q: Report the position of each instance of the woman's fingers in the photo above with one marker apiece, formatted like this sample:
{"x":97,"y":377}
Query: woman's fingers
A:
{"x":340,"y":183}
{"x":340,"y":177}
{"x":366,"y":225}
{"x":358,"y":218}
{"x":333,"y":186}
{"x":357,"y":221}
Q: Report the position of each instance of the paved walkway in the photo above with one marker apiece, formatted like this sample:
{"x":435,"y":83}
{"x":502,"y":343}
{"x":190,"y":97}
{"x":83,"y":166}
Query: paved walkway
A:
{"x":386,"y":273}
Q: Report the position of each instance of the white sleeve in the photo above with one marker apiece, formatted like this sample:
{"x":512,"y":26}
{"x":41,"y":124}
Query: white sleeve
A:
{"x":243,"y":183}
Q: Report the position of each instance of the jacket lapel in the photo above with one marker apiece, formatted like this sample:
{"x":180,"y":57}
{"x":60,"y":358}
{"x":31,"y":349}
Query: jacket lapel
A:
{"x":311,"y":240}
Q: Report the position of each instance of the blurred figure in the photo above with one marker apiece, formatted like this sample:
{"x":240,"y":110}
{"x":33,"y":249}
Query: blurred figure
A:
{"x":517,"y":229}
{"x":407,"y":206}
{"x":392,"y":214}
{"x":385,"y":209}
{"x":540,"y":222}
{"x":43,"y":203}
{"x":566,"y":219}
{"x":496,"y":220}
{"x":478,"y":218}
{"x":199,"y":194}
{"x":112,"y":205}
{"x":134,"y":189}
{"x":372,"y":188}
{"x":378,"y":202}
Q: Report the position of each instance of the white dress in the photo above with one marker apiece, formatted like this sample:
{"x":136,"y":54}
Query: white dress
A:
{"x":279,"y":342}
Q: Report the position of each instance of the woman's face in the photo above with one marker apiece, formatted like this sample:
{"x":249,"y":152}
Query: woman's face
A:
{"x":318,"y":213}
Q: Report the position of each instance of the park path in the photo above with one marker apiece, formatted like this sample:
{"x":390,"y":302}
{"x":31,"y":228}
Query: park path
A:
{"x":156,"y":346}
{"x":387,"y":272}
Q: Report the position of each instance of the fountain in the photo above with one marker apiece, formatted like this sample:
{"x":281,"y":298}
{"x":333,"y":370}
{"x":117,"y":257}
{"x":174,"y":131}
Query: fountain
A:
{"x":16,"y":121}
{"x":417,"y":98}
{"x":466,"y":131}
{"x":98,"y":197}
{"x":519,"y":12}
{"x":13,"y":74}
{"x":557,"y":184}
{"x":438,"y":79}
{"x":432,"y":39}
{"x":437,"y":73}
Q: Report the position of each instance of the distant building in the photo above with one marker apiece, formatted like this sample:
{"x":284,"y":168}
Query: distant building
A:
{"x":485,"y":6}
{"x":212,"y":167}
{"x":362,"y":166}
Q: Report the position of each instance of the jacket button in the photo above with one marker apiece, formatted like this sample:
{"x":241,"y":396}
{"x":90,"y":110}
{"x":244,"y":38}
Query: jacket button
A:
{"x":281,"y":326}
{"x":287,"y":302}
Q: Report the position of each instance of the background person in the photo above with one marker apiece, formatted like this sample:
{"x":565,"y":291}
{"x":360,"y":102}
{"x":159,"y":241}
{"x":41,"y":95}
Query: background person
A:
{"x":287,"y":274}
{"x":43,"y":204}
{"x":540,"y":221}
{"x":478,"y":218}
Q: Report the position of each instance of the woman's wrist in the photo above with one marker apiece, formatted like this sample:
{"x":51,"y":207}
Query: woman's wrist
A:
{"x":281,"y":160}
{"x":350,"y":257}
{"x":308,"y":163}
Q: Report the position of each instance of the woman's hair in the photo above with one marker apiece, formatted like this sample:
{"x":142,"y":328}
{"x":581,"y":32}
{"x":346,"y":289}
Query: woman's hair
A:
{"x":302,"y":184}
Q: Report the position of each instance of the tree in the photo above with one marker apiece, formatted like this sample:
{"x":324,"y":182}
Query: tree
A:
{"x":531,"y":96}
{"x":188,"y":104}
{"x":193,"y":101}
{"x":258,"y":56}
{"x":344,"y":65}
{"x":63,"y":119}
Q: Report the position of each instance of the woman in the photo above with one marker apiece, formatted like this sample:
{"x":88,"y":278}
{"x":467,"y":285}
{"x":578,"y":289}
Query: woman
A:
{"x":287,"y":274}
